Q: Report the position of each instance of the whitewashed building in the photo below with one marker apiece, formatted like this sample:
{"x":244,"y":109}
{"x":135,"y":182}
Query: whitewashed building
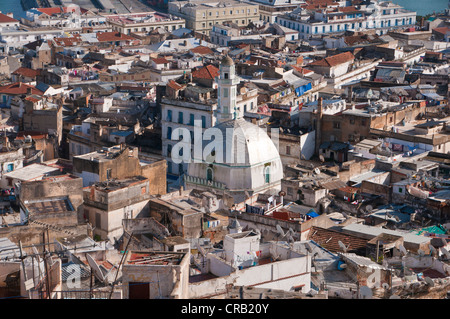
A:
{"x":245,"y":159}
{"x":380,"y":16}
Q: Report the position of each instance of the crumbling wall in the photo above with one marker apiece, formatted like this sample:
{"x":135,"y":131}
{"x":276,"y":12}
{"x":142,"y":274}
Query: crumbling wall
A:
{"x":377,"y":189}
{"x":30,"y":234}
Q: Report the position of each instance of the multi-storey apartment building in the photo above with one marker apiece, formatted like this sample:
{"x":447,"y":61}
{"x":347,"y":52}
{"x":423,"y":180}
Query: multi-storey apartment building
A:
{"x":382,"y":17}
{"x":182,"y":114}
{"x":144,"y":22}
{"x":269,"y":9}
{"x":200,"y":16}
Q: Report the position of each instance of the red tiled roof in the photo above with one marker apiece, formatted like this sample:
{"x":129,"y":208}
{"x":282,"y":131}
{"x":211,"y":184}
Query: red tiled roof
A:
{"x":174,"y":85}
{"x":19,"y":88}
{"x":347,"y":9}
{"x":113,"y":36}
{"x":5,"y":19}
{"x":32,"y":99}
{"x":334,"y":59}
{"x":302,"y":70}
{"x":329,"y":239}
{"x":74,"y":40}
{"x":160,"y":60}
{"x":26,"y":72}
{"x":56,"y":10}
{"x":207,"y":72}
{"x":201,"y":50}
{"x":442,"y":30}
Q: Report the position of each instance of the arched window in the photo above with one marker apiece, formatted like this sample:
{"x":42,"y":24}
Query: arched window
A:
{"x":209,"y":174}
{"x":267,"y":174}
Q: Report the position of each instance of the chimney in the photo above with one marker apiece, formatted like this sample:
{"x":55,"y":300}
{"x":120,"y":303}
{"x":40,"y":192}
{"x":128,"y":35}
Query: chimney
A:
{"x":320,"y":105}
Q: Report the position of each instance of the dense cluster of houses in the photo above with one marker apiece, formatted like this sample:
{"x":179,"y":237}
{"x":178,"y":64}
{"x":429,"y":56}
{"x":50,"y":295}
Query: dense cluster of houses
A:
{"x":343,"y":116}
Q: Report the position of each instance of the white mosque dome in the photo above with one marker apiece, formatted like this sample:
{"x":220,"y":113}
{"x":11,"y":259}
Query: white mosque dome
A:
{"x":248,"y":161}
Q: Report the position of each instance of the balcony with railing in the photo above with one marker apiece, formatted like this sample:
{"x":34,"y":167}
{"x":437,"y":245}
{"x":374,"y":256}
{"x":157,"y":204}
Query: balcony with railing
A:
{"x":204,"y":182}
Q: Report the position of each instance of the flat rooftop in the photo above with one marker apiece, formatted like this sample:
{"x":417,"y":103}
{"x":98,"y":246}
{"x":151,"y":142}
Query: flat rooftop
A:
{"x":31,"y":172}
{"x":49,"y":205}
{"x":154,"y":258}
{"x":113,"y":185}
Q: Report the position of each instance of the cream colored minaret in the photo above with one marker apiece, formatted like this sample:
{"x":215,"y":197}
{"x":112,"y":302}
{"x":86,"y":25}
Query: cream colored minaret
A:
{"x":227,"y":87}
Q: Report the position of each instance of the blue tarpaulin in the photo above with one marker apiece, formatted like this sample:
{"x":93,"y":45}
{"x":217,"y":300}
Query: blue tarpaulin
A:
{"x":312,"y":214}
{"x":302,"y":89}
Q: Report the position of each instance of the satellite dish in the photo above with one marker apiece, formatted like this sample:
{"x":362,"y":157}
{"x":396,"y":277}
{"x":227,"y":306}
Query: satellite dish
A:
{"x":385,"y":285}
{"x":429,"y":281}
{"x":308,"y":247}
{"x":280,"y":231}
{"x":317,"y":171}
{"x":445,"y":252}
{"x":97,"y":271}
{"x":365,"y":292}
{"x":432,"y":249}
{"x":402,"y":250}
{"x":421,"y":252}
{"x":342,"y":246}
{"x":369,"y":208}
{"x":321,"y":158}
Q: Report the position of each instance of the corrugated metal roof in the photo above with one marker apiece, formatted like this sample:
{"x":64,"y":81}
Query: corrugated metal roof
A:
{"x":375,"y":231}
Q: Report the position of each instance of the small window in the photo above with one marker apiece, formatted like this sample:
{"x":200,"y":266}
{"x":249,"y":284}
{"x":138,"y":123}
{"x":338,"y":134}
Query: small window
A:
{"x":209,"y":174}
{"x":288,"y":150}
{"x":108,"y":173}
{"x":400,"y":190}
{"x":267,"y":174}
